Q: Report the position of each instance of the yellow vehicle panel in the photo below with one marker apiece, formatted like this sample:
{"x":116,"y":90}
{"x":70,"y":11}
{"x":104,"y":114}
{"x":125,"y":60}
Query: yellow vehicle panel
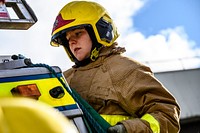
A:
{"x":42,"y":78}
{"x":44,"y":86}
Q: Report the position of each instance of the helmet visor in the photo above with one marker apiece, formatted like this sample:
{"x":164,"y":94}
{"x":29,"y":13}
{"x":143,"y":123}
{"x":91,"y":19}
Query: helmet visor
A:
{"x":55,"y":42}
{"x":58,"y":38}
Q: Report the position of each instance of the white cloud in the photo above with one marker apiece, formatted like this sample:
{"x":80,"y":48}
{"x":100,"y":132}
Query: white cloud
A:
{"x":168,"y":50}
{"x":122,"y":11}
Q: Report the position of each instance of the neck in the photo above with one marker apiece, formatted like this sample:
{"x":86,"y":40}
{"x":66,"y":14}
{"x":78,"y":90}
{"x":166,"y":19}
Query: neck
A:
{"x":82,"y":63}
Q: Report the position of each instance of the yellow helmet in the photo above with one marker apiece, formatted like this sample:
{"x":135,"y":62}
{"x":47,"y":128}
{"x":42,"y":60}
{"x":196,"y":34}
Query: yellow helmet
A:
{"x":84,"y":13}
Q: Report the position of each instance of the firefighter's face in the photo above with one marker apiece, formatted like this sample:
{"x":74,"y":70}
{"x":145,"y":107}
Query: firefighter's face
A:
{"x":80,"y":43}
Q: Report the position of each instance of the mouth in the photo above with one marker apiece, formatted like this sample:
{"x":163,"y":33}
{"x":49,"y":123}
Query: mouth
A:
{"x":76,"y":49}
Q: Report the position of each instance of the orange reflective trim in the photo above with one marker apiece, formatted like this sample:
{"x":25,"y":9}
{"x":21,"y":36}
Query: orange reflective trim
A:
{"x":28,"y":90}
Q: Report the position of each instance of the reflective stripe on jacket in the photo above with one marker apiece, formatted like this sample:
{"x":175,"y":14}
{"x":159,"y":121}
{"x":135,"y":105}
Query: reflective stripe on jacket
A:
{"x":114,"y":119}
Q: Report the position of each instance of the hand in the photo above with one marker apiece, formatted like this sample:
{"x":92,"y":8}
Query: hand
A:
{"x":119,"y":128}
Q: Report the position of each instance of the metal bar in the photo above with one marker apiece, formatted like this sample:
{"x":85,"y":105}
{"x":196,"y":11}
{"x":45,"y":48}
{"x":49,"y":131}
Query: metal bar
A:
{"x":25,"y":15}
{"x":78,"y":121}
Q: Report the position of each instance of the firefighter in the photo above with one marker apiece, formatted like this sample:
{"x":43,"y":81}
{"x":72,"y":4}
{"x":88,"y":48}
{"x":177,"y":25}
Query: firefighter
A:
{"x":124,"y":91}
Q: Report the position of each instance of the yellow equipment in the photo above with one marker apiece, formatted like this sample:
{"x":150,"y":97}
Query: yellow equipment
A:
{"x":22,"y":115}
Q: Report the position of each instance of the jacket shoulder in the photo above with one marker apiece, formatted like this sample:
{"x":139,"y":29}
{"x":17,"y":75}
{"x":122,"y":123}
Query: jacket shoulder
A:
{"x":120,"y":66}
{"x":120,"y":62}
{"x":68,"y":72}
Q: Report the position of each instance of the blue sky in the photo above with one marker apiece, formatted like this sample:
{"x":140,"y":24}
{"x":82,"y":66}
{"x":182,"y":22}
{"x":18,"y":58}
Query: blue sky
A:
{"x":160,"y":14}
{"x":164,"y":34}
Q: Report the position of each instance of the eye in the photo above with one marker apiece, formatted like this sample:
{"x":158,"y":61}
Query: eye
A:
{"x":78,"y":33}
{"x":75,"y":34}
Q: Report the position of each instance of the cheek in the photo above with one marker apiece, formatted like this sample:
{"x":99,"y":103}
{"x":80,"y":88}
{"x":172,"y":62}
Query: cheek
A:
{"x":70,"y":47}
{"x":87,"y":43}
{"x":89,"y":46}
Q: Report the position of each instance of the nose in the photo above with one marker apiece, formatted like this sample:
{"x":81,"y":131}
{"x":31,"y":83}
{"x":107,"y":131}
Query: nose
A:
{"x":72,"y":41}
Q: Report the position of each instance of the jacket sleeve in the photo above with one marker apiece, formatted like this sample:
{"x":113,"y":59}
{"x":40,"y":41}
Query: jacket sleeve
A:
{"x":146,"y":98}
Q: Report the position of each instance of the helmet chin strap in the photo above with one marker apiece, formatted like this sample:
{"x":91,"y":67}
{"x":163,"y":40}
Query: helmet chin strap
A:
{"x":94,"y":54}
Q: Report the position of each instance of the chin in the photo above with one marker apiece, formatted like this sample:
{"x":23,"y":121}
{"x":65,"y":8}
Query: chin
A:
{"x":80,"y":59}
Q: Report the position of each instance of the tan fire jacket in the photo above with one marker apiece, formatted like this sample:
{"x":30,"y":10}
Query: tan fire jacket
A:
{"x":117,"y":85}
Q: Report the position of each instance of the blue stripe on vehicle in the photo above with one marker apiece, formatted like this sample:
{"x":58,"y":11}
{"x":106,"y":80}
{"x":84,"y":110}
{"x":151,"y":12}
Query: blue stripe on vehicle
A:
{"x":29,"y":77}
{"x":67,"y":107}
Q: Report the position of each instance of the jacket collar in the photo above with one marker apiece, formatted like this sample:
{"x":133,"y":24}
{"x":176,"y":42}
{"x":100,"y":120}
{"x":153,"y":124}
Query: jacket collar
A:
{"x":104,"y":52}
